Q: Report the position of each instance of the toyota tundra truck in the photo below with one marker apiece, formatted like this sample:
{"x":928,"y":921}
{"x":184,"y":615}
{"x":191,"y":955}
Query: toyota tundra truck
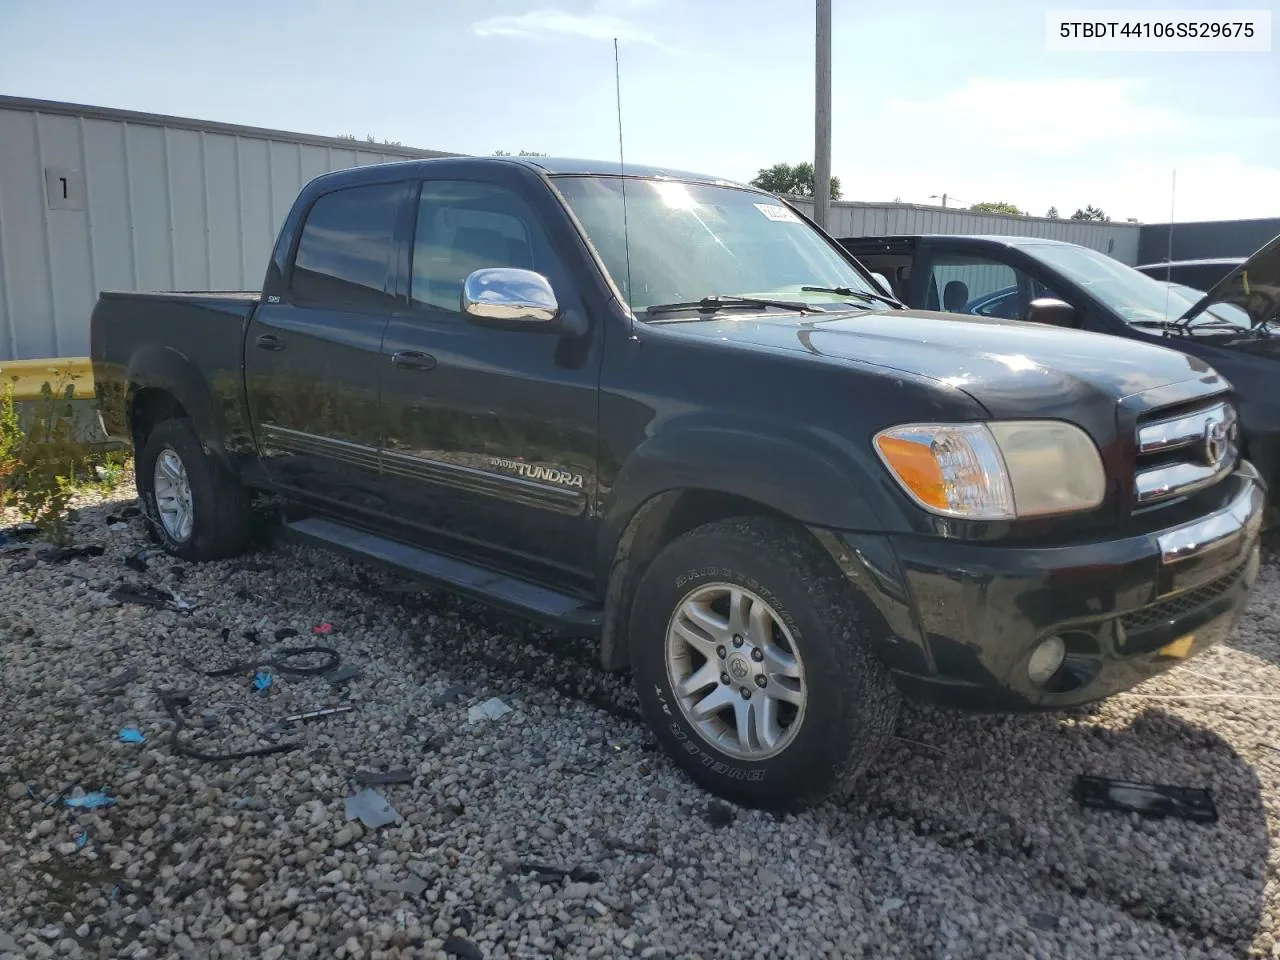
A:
{"x":667,"y":411}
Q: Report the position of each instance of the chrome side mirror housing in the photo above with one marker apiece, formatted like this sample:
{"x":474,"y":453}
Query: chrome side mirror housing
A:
{"x":510,"y":298}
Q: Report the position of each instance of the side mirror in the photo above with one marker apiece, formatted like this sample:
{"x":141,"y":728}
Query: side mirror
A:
{"x":510,"y":299}
{"x":883,"y":282}
{"x":1052,"y":312}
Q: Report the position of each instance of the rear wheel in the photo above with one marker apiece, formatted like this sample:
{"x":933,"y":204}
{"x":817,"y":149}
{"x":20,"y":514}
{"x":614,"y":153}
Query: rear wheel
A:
{"x":197,"y":509}
{"x":750,"y":665}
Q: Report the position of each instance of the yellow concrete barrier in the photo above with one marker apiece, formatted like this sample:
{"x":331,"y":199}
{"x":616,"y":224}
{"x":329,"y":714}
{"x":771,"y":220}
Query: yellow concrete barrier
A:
{"x":27,"y":376}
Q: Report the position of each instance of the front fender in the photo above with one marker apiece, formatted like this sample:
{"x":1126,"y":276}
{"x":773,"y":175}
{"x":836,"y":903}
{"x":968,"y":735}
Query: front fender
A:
{"x":813,"y":478}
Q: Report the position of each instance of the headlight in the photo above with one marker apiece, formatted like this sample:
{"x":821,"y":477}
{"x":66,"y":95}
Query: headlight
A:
{"x":995,"y":471}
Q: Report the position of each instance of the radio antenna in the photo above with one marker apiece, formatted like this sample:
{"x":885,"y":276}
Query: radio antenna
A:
{"x":1168,"y":269}
{"x":622,"y":170}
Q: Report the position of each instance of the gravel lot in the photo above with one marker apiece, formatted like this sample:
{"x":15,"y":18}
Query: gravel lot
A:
{"x":558,"y":829}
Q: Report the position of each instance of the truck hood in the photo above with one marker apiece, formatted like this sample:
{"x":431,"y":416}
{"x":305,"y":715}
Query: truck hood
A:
{"x":1011,"y":367}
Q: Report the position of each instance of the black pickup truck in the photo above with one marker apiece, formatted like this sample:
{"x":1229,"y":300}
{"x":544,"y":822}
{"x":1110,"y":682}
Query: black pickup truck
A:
{"x":668,"y":411}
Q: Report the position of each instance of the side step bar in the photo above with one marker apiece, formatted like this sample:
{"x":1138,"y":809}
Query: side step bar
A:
{"x":518,"y":596}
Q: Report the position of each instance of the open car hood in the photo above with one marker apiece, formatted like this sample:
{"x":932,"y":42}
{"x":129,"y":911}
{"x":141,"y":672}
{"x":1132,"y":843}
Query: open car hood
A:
{"x":1253,"y":287}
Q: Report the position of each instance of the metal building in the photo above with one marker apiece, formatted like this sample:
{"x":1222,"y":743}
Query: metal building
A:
{"x":855,"y":219}
{"x":94,"y":199}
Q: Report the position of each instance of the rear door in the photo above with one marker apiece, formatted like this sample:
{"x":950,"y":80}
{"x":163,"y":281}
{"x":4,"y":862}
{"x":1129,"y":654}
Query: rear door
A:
{"x":313,"y":359}
{"x":490,"y":435}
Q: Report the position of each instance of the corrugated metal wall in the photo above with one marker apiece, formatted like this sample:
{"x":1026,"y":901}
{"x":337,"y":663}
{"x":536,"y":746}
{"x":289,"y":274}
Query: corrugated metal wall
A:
{"x":94,"y":199}
{"x":852,"y":219}
{"x":1206,"y":239}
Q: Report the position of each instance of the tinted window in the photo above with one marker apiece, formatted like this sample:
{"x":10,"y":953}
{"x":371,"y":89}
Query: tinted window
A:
{"x":465,"y":226}
{"x":345,"y":251}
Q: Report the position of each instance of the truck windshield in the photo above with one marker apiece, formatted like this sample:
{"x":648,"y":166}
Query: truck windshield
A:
{"x":689,"y":241}
{"x":1137,"y":298}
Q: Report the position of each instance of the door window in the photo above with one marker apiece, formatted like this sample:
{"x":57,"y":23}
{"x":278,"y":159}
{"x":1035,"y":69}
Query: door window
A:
{"x":464,"y":226}
{"x":982,"y":287}
{"x":344,"y":254}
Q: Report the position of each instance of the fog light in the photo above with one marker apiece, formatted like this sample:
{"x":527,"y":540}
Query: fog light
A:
{"x":1045,"y":660}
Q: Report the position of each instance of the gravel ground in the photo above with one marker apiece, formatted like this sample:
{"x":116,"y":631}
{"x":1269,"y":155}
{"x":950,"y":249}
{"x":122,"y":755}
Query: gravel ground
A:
{"x":558,"y":829}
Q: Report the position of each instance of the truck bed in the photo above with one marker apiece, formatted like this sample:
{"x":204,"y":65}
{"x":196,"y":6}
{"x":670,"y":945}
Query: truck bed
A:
{"x":193,"y":344}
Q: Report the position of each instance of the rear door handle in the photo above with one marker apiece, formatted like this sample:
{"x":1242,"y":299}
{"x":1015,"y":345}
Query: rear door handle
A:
{"x":269,"y":341}
{"x":413,"y":359}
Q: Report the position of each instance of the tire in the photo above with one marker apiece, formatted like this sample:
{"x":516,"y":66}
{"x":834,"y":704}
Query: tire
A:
{"x":219,"y":526}
{"x":850,"y":701}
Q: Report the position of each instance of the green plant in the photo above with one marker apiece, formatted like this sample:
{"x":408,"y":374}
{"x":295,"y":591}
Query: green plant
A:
{"x":45,"y":461}
{"x":110,"y":469}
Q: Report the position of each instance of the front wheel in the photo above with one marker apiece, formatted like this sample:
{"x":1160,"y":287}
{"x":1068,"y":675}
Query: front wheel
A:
{"x":751,"y":667}
{"x":197,"y":509}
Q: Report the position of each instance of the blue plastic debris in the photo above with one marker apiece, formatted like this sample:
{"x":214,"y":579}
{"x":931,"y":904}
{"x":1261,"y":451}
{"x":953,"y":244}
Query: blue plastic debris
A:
{"x":132,"y":735}
{"x":262,"y":680}
{"x":91,"y":801}
{"x":82,"y":841}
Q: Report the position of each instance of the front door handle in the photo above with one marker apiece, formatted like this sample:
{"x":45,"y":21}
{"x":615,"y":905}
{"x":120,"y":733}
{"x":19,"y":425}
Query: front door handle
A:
{"x":269,"y":341}
{"x":413,"y":359}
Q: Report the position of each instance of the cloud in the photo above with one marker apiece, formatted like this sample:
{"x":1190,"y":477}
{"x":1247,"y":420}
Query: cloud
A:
{"x":543,"y":24}
{"x":1045,"y":117}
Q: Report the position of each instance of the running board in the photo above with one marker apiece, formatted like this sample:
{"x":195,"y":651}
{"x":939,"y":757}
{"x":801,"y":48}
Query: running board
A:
{"x":518,"y":596}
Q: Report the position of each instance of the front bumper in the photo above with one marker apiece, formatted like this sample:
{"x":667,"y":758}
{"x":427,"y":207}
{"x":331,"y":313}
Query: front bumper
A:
{"x":956,"y":622}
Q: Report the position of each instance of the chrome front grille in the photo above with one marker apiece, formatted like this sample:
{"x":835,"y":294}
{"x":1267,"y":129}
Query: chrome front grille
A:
{"x":1185,"y":452}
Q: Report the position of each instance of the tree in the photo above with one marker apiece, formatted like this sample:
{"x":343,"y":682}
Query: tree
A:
{"x":522,"y":153}
{"x":1053,"y":213}
{"x":1090,"y":213}
{"x":795,"y":180}
{"x":998,"y":207}
{"x":370,"y":138}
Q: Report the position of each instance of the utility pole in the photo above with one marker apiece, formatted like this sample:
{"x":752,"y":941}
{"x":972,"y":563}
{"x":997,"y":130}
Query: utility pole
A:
{"x":943,"y":198}
{"x":822,"y":119}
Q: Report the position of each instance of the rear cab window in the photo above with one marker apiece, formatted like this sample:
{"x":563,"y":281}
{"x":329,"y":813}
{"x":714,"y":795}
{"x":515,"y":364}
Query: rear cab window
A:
{"x":344,"y":256}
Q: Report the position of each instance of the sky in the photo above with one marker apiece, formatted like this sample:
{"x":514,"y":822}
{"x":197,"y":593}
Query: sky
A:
{"x":928,"y":96}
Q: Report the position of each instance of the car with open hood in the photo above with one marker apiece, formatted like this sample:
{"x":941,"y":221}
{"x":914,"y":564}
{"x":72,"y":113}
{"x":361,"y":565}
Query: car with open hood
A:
{"x":1233,"y":326}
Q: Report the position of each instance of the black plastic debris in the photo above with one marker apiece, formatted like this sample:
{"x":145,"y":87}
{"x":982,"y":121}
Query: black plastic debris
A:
{"x":452,"y":693}
{"x":548,"y":873}
{"x":466,"y":920}
{"x":251,"y":636}
{"x":67,"y":554}
{"x":1148,"y":799}
{"x":456,"y":946}
{"x":244,"y":595}
{"x":284,"y":633}
{"x":142,"y":594}
{"x":378,"y":777}
{"x":19,"y":533}
{"x":22,"y":566}
{"x":225,"y":633}
{"x":118,"y":681}
{"x":343,"y":674}
{"x":289,"y":661}
{"x":137,"y":560}
{"x":719,"y":814}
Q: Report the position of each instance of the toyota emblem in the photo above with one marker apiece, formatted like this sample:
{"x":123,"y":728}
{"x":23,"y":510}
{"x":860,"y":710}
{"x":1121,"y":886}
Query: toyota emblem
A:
{"x":1217,"y":438}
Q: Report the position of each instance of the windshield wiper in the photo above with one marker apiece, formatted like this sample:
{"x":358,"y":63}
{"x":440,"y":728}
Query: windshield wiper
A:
{"x":1182,"y":329}
{"x":850,"y":292}
{"x":712,"y":304}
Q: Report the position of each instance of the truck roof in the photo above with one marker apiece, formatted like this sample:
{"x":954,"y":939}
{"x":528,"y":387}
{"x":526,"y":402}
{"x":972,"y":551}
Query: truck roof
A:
{"x":551,"y":166}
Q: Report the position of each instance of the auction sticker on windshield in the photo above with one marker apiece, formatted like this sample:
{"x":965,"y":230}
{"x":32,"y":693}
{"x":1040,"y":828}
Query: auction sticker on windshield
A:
{"x":775,"y":211}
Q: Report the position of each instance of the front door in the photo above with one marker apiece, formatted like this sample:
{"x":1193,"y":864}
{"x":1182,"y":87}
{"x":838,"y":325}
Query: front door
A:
{"x":312,"y":361}
{"x":490,"y":435}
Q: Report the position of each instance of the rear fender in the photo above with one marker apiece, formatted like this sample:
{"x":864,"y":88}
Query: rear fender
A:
{"x":164,"y":368}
